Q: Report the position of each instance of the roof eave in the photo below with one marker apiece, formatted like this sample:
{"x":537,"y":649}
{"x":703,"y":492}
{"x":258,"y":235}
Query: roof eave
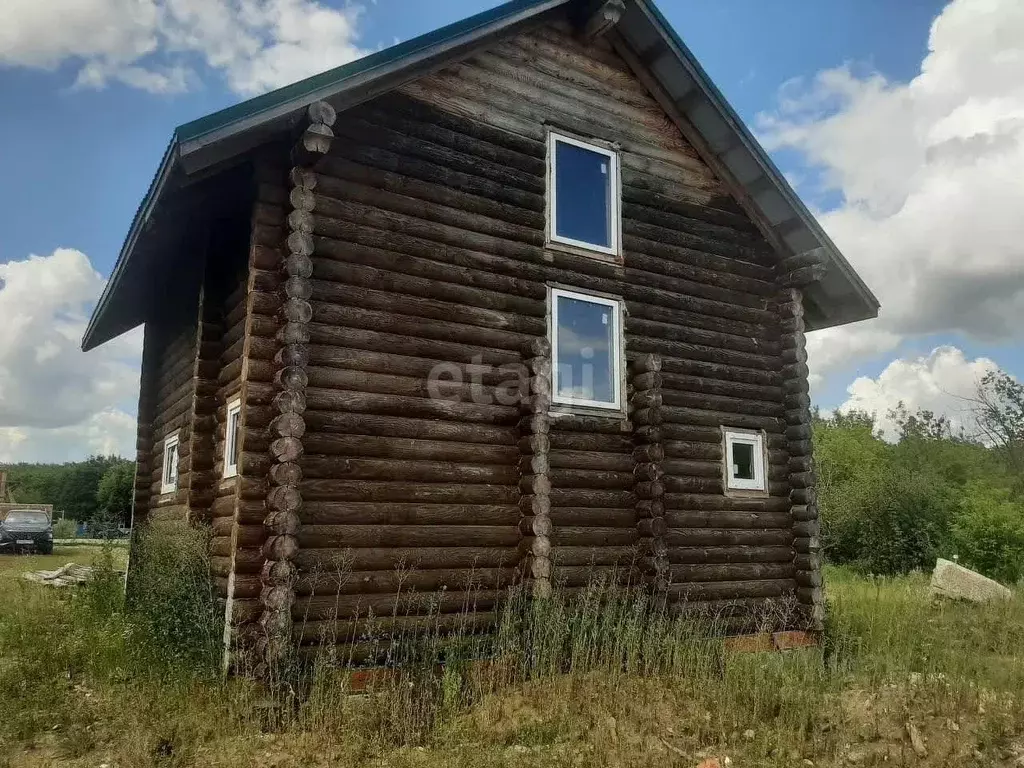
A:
{"x":142,"y":216}
{"x":860,"y":302}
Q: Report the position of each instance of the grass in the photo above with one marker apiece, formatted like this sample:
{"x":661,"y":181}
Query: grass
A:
{"x":13,"y":565}
{"x":600,"y":679}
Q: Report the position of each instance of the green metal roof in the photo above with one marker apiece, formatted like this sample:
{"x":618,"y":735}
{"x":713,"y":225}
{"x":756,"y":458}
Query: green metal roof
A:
{"x":336,"y":78}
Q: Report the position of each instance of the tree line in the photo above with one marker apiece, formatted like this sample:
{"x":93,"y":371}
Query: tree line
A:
{"x":98,"y":489}
{"x":892,"y":505}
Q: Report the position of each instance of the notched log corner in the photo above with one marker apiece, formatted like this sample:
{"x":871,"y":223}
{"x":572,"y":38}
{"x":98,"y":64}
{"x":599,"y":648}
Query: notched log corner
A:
{"x":596,"y":18}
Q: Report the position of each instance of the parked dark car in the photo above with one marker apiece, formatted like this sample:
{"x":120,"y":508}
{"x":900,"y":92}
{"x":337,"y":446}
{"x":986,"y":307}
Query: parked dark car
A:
{"x":25,"y":529}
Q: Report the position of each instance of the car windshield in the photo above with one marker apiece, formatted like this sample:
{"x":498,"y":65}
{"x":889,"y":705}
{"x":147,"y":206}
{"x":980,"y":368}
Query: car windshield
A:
{"x":27,"y":516}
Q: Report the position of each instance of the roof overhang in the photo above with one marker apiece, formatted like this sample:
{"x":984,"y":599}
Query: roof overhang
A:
{"x":644,"y":36}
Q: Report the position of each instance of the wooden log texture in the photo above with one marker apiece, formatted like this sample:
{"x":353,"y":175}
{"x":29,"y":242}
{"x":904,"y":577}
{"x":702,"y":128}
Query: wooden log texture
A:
{"x":649,"y":465}
{"x":535,"y":526}
{"x":411,"y":262}
{"x":794,"y":274}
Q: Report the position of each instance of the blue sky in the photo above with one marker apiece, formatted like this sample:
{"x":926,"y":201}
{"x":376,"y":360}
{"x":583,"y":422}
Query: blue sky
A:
{"x":76,"y":160}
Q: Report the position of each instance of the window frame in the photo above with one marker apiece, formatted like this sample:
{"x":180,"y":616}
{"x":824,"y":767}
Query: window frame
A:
{"x":231,"y":457}
{"x":759,"y":484}
{"x":615,"y":199}
{"x":172,"y":440}
{"x":618,"y":308}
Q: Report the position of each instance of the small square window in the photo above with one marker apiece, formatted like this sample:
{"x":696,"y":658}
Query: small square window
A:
{"x":586,"y":345}
{"x":169,"y":476}
{"x":231,"y":438}
{"x":583,"y":195}
{"x":745,"y":461}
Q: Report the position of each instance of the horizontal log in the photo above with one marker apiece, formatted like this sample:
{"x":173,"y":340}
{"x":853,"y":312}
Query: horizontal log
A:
{"x":410,"y":604}
{"x":572,"y":555}
{"x":396,"y":491}
{"x":331,"y":467}
{"x":677,"y":415}
{"x":447,"y":351}
{"x":586,"y":497}
{"x":718,"y":572}
{"x":412,"y":514}
{"x":331,"y":291}
{"x":397,"y":322}
{"x":403,"y":628}
{"x":587,"y":536}
{"x":378,"y":268}
{"x":728,"y":519}
{"x":727,"y":537}
{"x":588,"y":478}
{"x":620,"y":574}
{"x":426,"y":558}
{"x":592,"y":460}
{"x":731,"y":554}
{"x":361,"y":536}
{"x":404,"y":427}
{"x":601,"y":517}
{"x":367,"y":446}
{"x":724,"y":590}
{"x":319,"y":398}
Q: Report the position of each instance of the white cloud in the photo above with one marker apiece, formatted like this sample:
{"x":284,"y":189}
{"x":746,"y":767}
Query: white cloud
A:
{"x":930,"y":173}
{"x":57,"y":402}
{"x":110,"y":431}
{"x":256,"y":45}
{"x":941,"y":382}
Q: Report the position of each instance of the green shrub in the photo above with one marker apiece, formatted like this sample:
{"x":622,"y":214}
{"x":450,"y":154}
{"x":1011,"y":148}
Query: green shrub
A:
{"x":989,"y":534}
{"x":904,"y":523}
{"x":65,"y":529}
{"x":171,"y":597}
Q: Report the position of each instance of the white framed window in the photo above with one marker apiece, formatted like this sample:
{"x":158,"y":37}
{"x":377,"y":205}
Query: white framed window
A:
{"x":169,"y":474}
{"x":586,"y":349}
{"x":583,"y":195}
{"x":231,"y":437}
{"x":745,"y":460}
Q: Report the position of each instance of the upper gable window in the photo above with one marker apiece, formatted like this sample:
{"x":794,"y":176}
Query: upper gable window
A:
{"x":583,"y":195}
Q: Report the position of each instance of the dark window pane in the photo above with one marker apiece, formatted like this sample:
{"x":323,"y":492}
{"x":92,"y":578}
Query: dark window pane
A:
{"x":233,"y":430}
{"x":583,"y":194}
{"x":586,"y":349}
{"x":743,"y":461}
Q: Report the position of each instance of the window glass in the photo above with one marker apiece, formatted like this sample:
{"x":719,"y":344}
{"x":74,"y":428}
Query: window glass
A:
{"x":233,"y":431}
{"x":583,"y":200}
{"x":743,"y":461}
{"x":231,"y":442}
{"x":586,"y":340}
{"x":583,"y":187}
{"x":170,"y":479}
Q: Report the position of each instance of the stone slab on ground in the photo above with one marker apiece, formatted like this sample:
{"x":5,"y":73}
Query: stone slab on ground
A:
{"x":958,"y":583}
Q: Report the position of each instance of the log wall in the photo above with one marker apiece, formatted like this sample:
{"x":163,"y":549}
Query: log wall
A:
{"x":427,"y":218}
{"x":249,"y":372}
{"x":166,"y":402}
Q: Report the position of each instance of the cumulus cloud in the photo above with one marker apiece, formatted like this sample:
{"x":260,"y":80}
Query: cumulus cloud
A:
{"x":56,"y":401}
{"x":942,"y":382}
{"x":930,"y":173}
{"x":256,"y":45}
{"x":110,"y":431}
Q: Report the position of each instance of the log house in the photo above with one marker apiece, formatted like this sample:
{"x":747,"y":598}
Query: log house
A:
{"x":521,"y":299}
